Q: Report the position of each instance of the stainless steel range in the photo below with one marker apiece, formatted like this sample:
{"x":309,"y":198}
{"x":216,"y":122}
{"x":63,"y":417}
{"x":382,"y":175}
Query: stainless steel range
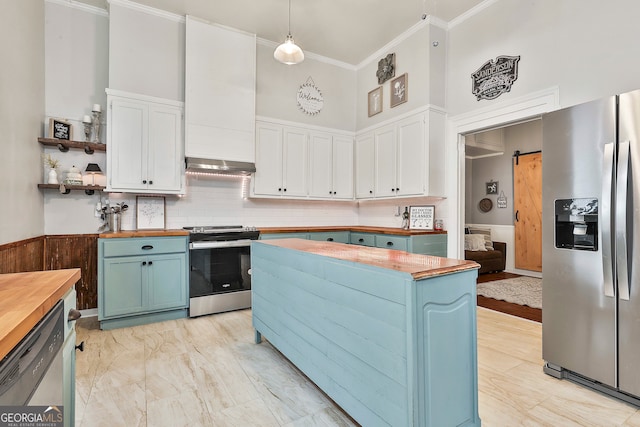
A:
{"x":220,"y":268}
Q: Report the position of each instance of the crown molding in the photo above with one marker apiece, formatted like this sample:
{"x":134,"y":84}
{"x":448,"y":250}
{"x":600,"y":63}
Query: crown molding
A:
{"x":470,"y":13}
{"x":80,"y":6}
{"x":429,"y":20}
{"x":149,"y":10}
{"x":310,"y":55}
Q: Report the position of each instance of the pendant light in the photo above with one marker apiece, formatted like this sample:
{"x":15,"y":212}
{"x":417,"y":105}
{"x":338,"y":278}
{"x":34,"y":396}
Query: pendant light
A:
{"x":288,"y":52}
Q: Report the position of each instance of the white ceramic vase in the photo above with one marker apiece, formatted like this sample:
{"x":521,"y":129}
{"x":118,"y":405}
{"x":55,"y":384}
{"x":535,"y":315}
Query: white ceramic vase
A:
{"x":53,"y":177}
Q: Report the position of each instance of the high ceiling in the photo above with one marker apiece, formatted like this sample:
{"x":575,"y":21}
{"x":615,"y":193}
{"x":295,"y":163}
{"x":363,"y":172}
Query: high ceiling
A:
{"x":345,"y":30}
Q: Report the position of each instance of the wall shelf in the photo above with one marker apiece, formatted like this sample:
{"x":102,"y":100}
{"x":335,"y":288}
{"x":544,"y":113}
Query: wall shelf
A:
{"x":64,"y":145}
{"x":88,"y":189}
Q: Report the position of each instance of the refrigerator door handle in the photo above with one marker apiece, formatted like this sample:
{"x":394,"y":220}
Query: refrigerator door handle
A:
{"x":605,"y":215}
{"x":621,"y":220}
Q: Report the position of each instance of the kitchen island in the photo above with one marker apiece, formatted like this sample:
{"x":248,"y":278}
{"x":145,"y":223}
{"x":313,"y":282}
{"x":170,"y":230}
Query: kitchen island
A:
{"x":390,"y":336}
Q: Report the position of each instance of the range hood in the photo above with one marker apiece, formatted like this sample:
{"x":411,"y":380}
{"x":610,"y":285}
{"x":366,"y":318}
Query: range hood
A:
{"x":225,"y":167}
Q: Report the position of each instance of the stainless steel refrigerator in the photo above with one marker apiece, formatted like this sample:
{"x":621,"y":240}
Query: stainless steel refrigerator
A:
{"x":590,"y":241}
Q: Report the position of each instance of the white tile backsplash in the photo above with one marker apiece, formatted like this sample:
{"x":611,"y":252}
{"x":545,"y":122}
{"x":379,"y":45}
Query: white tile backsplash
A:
{"x":219,"y":201}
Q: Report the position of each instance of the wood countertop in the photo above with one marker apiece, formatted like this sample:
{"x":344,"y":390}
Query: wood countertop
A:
{"x":355,"y":228}
{"x":25,"y":298}
{"x":419,"y":266}
{"x":142,"y":233}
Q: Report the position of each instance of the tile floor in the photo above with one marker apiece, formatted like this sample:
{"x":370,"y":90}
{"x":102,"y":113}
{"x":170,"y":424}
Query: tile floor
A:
{"x":208,"y":372}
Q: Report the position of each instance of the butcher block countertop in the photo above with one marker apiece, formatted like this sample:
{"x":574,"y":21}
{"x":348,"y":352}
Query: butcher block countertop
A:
{"x":419,"y":266}
{"x":355,"y":228}
{"x":25,"y":298}
{"x":142,"y":233}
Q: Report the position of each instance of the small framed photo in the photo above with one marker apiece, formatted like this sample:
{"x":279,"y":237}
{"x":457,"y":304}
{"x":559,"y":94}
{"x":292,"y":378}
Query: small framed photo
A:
{"x":421,"y":217}
{"x":150,"y":213}
{"x":60,"y":129}
{"x":492,"y":187}
{"x":399,"y":90}
{"x":375,"y":101}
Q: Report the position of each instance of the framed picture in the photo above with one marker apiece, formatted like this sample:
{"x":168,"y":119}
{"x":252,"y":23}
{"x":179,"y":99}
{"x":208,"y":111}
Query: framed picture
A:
{"x":492,"y":187}
{"x":375,"y":101}
{"x":399,"y":91}
{"x":150,"y":213}
{"x":421,"y":217}
{"x":60,"y":129}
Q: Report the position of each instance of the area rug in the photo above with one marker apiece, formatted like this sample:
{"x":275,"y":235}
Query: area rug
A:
{"x":521,"y":290}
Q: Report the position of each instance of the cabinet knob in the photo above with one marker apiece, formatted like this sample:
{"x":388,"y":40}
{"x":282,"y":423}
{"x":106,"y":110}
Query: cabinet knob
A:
{"x":150,"y":182}
{"x":397,"y":189}
{"x":73,"y":315}
{"x":389,"y":243}
{"x":370,"y":191}
{"x":361,"y":240}
{"x":150,"y":262}
{"x":80,"y":346}
{"x":279,"y":189}
{"x":144,"y":262}
{"x":329,"y":239}
{"x":285,"y":189}
{"x":393,"y":189}
{"x":144,"y":181}
{"x":147,"y":247}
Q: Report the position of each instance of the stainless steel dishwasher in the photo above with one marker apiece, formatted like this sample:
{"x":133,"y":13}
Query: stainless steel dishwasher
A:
{"x":31,"y":374}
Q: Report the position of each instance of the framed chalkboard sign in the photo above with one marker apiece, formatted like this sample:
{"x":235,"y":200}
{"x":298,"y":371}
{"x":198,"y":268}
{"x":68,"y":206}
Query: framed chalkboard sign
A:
{"x":60,"y":129}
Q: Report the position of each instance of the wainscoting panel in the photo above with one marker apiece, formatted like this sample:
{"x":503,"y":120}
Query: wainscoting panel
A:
{"x":76,"y":251}
{"x":25,"y":255}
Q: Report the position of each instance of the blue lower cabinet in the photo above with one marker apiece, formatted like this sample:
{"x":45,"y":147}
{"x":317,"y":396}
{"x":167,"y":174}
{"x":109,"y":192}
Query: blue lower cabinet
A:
{"x":387,"y":241}
{"x":331,"y":236}
{"x":138,"y":283}
{"x":284,"y":236}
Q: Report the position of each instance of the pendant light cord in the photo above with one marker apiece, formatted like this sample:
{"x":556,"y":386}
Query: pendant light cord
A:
{"x":289,"y":28}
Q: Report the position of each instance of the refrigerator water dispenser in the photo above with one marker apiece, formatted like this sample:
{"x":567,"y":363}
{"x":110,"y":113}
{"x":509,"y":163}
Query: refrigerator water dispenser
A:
{"x":576,"y":224}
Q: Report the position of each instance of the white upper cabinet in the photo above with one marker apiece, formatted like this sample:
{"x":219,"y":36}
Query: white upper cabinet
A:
{"x":144,"y":136}
{"x":402,"y":159}
{"x":411,"y":160}
{"x":385,"y":161}
{"x":281,"y":161}
{"x":342,"y":167}
{"x":220,"y":91}
{"x":330,"y":166}
{"x":365,"y":166}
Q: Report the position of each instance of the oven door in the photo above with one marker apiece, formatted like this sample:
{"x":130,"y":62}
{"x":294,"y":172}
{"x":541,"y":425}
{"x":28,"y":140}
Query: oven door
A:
{"x":220,"y":276}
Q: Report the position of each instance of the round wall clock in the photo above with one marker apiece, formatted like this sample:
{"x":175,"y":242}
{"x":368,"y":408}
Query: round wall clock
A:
{"x":310,"y":98}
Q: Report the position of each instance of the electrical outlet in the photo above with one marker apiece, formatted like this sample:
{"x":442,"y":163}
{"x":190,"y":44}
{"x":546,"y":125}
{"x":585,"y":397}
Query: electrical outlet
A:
{"x":98,"y":210}
{"x":396,"y":211}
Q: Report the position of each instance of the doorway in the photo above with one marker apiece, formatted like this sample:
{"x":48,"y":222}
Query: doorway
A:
{"x":495,"y":115}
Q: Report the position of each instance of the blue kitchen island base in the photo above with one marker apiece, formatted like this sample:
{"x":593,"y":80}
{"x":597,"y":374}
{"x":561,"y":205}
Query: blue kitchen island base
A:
{"x":389,"y":348}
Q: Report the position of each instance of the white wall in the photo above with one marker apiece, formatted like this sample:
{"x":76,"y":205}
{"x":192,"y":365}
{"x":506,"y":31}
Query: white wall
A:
{"x":21,"y":115}
{"x":76,"y":74}
{"x":208,"y":200}
{"x":146,"y":52}
{"x":277,"y":85}
{"x":424,"y":65}
{"x":585,"y":47}
{"x":579,"y":47}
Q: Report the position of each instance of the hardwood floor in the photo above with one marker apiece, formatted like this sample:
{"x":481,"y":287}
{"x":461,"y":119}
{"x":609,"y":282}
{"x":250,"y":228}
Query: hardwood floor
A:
{"x":523,"y":311}
{"x":207,"y":371}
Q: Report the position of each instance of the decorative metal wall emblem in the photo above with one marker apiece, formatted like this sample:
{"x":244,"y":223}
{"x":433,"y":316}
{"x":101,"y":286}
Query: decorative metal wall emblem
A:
{"x":386,"y":68}
{"x":310,"y":99}
{"x":495,"y":77}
